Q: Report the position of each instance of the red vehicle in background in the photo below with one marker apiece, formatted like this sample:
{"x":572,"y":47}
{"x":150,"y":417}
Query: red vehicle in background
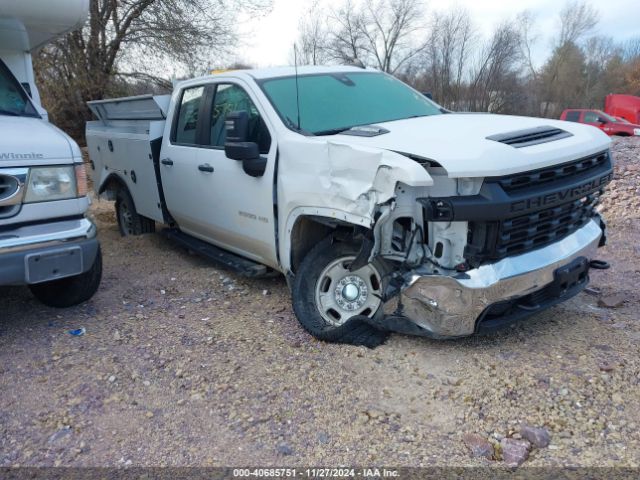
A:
{"x":607,"y":123}
{"x":625,"y":106}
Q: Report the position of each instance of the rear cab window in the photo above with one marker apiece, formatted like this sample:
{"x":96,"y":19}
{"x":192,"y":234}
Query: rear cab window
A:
{"x":573,"y":116}
{"x":185,"y":131}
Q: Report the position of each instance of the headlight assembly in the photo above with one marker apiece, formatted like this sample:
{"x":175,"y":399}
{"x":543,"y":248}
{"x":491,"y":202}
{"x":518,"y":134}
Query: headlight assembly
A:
{"x":51,"y":183}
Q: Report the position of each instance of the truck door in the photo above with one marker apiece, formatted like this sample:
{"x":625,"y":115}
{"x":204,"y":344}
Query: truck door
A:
{"x":186,"y":191}
{"x":209,"y":195}
{"x":242,"y":220}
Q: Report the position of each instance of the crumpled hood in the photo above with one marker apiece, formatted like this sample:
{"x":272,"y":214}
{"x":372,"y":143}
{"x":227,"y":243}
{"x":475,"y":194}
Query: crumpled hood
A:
{"x":26,"y":141}
{"x":458,"y":142}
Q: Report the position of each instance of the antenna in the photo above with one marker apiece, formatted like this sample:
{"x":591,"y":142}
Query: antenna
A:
{"x":295,"y":61}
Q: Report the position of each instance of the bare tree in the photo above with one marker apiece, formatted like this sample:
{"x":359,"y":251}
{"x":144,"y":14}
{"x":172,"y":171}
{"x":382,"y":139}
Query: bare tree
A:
{"x":495,"y":78}
{"x":312,"y":40}
{"x":525,"y":21}
{"x":390,"y":29}
{"x":443,"y":62}
{"x":345,"y":39}
{"x":564,"y":80}
{"x":631,"y":49}
{"x":601,"y":55}
{"x":382,"y":33}
{"x":577,"y":19}
{"x":127,"y":38}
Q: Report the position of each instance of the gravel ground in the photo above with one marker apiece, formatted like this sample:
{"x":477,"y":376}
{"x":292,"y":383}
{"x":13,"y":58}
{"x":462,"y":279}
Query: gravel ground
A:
{"x":183,"y":363}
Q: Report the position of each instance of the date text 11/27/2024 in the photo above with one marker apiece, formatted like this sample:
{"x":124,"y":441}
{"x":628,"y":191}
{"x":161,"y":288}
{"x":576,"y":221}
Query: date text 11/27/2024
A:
{"x":314,"y":473}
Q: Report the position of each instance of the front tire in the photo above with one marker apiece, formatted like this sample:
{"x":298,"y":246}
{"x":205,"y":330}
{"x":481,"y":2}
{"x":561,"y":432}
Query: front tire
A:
{"x":326,"y":295}
{"x":70,"y":291}
{"x":129,"y":221}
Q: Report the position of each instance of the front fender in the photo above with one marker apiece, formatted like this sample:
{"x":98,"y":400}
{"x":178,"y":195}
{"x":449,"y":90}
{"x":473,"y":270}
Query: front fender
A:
{"x":338,"y":181}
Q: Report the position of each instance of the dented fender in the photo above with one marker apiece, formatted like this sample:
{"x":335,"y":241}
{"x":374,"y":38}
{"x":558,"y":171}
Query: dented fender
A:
{"x":339,"y":181}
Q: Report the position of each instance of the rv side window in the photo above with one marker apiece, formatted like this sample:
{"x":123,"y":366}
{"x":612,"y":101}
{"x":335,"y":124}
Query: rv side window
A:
{"x":573,"y":116}
{"x":187,"y":120}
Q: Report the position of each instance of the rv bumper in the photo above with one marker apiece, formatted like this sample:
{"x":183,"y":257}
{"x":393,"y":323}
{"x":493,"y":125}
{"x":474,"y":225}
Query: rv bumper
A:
{"x":40,"y":253}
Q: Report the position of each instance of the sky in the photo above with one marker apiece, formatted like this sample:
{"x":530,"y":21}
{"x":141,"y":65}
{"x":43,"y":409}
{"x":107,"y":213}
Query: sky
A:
{"x":268,"y":40}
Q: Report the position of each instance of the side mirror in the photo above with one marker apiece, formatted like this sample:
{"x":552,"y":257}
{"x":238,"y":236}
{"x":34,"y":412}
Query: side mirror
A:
{"x":236,"y":145}
{"x":241,"y":150}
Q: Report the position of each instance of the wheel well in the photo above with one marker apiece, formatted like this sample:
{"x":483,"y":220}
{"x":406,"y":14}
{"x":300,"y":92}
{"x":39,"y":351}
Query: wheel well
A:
{"x":622,"y":134}
{"x":111,"y":185}
{"x":309,"y":230}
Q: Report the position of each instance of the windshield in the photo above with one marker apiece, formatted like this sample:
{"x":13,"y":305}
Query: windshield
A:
{"x":13,"y":99}
{"x":334,"y":102}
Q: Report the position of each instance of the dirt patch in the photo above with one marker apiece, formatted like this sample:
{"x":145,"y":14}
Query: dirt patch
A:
{"x":183,"y":363}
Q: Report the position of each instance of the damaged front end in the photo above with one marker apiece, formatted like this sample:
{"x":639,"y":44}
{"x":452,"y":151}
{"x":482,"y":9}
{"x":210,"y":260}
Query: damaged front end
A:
{"x":491,"y":296}
{"x":465,"y":255}
{"x":492,"y":252}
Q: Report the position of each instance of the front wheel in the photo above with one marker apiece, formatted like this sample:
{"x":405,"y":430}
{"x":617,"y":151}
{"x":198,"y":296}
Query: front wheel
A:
{"x":326,"y":295}
{"x":70,"y":291}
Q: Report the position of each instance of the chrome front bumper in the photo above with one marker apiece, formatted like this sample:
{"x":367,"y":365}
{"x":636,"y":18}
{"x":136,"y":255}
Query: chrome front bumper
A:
{"x":19,"y":245}
{"x":446,"y":307}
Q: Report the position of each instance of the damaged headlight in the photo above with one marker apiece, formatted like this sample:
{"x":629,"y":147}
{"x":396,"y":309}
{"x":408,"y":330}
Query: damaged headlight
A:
{"x":51,"y":183}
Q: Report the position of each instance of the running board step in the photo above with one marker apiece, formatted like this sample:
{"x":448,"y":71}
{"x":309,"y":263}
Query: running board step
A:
{"x":234,"y":262}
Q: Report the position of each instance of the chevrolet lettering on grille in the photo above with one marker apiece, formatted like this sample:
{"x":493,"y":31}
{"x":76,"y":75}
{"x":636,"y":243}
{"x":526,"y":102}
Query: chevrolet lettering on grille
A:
{"x":560,"y":196}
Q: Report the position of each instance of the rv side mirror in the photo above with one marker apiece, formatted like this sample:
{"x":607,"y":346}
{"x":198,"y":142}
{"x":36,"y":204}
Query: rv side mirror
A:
{"x":236,"y":145}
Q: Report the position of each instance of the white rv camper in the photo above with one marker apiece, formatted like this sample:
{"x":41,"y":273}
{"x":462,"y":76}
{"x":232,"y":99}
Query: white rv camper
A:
{"x":26,"y":26}
{"x":46,"y":242}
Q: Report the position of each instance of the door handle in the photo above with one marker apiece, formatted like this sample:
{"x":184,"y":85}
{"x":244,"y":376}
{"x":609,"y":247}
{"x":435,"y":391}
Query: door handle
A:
{"x":166,"y":161}
{"x":205,"y":168}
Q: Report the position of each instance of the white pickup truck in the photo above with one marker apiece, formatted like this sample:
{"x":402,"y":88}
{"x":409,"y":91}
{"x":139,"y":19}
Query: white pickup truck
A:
{"x":46,"y":242}
{"x":376,"y":204}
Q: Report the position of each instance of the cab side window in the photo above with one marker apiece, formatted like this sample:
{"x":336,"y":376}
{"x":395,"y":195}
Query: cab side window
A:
{"x":573,"y":116}
{"x":187,"y":120}
{"x":590,"y":117}
{"x":232,"y":98}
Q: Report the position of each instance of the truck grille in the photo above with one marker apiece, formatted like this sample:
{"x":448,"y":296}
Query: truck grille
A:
{"x":535,"y":230}
{"x":519,"y":213}
{"x":552,"y":174}
{"x":491,"y":239}
{"x":8,"y":186}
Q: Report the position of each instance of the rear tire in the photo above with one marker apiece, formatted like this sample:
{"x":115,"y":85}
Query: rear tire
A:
{"x":70,"y":291}
{"x":326,"y":296}
{"x":129,"y":221}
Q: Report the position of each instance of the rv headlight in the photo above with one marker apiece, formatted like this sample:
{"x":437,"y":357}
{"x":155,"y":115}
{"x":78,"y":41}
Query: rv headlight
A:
{"x":51,"y":183}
